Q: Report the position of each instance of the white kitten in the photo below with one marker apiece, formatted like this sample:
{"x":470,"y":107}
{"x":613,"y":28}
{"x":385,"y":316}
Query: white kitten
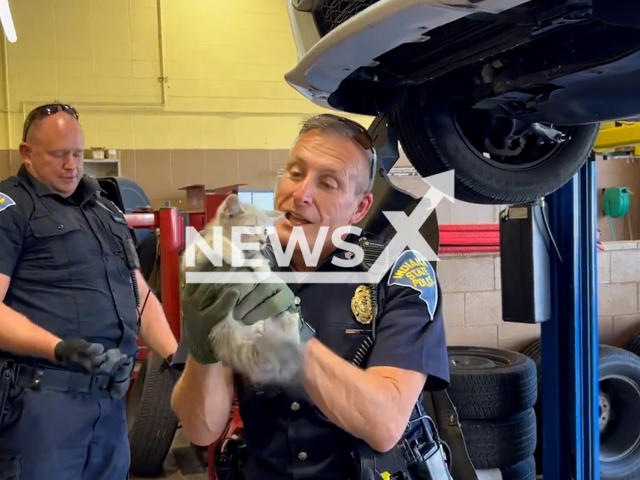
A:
{"x":267,"y":352}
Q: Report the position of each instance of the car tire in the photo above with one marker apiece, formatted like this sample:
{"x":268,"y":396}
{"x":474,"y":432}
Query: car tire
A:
{"x":434,"y":142}
{"x":525,"y":470}
{"x":619,"y":374}
{"x":500,"y":443}
{"x":490,"y":383}
{"x":151,"y":422}
{"x":534,"y":352}
{"x":634,"y":344}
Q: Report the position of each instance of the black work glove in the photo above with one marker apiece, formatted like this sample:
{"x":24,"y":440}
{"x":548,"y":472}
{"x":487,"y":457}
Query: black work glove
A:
{"x":122,"y":379}
{"x":89,"y":356}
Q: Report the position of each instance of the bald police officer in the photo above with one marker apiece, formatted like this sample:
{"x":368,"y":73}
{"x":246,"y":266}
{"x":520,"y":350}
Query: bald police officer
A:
{"x":69,"y":315}
{"x":310,"y":432}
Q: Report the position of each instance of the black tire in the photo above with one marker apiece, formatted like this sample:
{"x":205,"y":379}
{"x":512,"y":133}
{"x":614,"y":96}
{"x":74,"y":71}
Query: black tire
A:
{"x":534,"y":352}
{"x":433,"y":141}
{"x":634,"y":345}
{"x":491,"y":383}
{"x":525,"y":470}
{"x":500,"y":443}
{"x":619,"y":372}
{"x":151,"y":421}
{"x":620,"y":435}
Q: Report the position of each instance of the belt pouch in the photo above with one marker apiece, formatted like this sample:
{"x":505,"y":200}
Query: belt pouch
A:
{"x":7,"y":371}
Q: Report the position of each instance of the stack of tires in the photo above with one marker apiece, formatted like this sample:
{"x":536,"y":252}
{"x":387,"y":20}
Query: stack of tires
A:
{"x":494,"y":392}
{"x":619,"y":399}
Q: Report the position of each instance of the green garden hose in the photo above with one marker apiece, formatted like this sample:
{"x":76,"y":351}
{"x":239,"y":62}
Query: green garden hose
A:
{"x":616,"y":202}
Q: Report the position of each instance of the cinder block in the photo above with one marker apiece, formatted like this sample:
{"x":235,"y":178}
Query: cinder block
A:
{"x":114,"y":88}
{"x":515,"y":336}
{"x":606,"y":332}
{"x":186,"y":88}
{"x":462,"y":274}
{"x":486,"y":336}
{"x":625,"y":328}
{"x":618,"y":299}
{"x":625,"y":266}
{"x":497,"y":275}
{"x":453,"y":309}
{"x":144,"y":33}
{"x":111,"y":30}
{"x":483,"y":308}
{"x":604,"y":267}
{"x":38,"y":78}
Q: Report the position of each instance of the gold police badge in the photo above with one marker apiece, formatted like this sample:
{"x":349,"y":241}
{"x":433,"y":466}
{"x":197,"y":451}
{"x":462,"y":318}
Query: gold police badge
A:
{"x":362,"y":305}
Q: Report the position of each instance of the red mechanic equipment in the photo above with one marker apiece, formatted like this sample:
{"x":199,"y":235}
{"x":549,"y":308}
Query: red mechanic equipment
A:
{"x":171,"y":228}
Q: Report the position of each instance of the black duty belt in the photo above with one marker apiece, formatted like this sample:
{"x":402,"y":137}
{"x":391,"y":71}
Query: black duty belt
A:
{"x":47,"y":378}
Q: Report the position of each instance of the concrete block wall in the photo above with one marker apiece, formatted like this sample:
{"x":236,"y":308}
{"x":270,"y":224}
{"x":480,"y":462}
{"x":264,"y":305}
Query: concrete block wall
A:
{"x":472,"y":299}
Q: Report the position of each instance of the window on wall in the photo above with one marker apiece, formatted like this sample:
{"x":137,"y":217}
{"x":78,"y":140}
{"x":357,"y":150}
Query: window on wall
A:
{"x":261,"y":198}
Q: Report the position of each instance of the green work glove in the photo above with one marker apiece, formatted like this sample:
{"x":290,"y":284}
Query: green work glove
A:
{"x":203,"y":307}
{"x":206,"y":305}
{"x":262,"y":301}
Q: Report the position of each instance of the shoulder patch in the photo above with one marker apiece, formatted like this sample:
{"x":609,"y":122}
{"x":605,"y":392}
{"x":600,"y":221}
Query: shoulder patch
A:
{"x":412,"y":270}
{"x":5,"y":201}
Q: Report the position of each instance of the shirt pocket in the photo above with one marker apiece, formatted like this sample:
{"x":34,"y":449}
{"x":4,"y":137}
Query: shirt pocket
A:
{"x":120,"y":234}
{"x":118,"y":240}
{"x":57,"y":241}
{"x":346,"y":338}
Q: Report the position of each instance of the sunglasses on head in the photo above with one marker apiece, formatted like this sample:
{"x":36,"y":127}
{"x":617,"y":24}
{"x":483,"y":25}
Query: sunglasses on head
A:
{"x":43,"y":111}
{"x":361,"y":135}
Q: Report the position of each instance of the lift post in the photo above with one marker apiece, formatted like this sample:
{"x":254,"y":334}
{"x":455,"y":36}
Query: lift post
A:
{"x":569,"y":341}
{"x":171,"y":227}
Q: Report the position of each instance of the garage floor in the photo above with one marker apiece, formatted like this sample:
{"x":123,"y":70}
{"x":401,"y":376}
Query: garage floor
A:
{"x":180,"y":452}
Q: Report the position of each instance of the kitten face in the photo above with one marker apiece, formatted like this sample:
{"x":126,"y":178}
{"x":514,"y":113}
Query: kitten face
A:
{"x":233,"y":213}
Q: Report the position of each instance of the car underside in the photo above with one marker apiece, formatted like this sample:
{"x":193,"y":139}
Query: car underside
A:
{"x":508,"y":93}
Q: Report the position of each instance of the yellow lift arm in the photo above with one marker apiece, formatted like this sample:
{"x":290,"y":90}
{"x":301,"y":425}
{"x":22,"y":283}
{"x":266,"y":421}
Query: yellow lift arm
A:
{"x":618,"y":134}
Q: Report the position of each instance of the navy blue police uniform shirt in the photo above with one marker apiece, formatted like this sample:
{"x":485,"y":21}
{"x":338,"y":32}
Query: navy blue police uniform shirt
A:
{"x":66,"y":261}
{"x":287,"y":436}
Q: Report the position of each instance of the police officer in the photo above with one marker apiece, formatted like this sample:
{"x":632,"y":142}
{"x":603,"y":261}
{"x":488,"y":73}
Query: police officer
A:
{"x":69,"y":316}
{"x":310,"y":431}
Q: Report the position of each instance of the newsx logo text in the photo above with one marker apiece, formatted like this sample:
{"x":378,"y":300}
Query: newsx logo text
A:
{"x":407,"y":237}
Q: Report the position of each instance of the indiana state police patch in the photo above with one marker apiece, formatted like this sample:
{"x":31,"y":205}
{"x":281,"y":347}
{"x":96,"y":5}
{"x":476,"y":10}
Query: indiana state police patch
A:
{"x":412,"y":270}
{"x":5,"y":201}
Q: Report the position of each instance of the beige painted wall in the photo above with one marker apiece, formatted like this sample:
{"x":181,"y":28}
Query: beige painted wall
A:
{"x":471,"y":283}
{"x":472,"y":299}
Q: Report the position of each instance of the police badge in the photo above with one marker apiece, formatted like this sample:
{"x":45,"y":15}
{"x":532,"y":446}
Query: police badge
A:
{"x":362,"y":305}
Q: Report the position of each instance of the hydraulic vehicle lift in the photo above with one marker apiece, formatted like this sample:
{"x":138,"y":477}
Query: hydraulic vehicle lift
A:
{"x":548,"y":253}
{"x":548,"y":269}
{"x":569,"y":339}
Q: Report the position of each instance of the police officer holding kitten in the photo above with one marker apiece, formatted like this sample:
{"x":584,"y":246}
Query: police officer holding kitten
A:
{"x":312,"y":429}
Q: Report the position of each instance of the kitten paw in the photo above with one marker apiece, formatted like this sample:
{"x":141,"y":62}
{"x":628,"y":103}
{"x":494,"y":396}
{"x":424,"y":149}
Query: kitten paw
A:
{"x":258,"y":327}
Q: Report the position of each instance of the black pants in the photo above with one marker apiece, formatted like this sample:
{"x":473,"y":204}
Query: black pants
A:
{"x":64,"y":436}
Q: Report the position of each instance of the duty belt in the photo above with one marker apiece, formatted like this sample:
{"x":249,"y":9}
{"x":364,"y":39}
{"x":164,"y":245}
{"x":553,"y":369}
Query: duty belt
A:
{"x":48,"y":378}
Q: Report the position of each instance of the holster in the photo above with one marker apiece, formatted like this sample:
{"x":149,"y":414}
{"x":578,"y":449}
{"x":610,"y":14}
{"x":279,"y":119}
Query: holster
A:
{"x":419,"y":455}
{"x":439,"y":406}
{"x":7,"y":378}
{"x":229,"y":455}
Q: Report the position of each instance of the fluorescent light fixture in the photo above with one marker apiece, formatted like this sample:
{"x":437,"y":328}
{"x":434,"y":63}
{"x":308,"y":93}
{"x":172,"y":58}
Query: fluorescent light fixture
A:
{"x":7,"y":21}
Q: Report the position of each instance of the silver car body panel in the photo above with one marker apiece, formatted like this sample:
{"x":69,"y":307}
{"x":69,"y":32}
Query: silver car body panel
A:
{"x":323,"y":63}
